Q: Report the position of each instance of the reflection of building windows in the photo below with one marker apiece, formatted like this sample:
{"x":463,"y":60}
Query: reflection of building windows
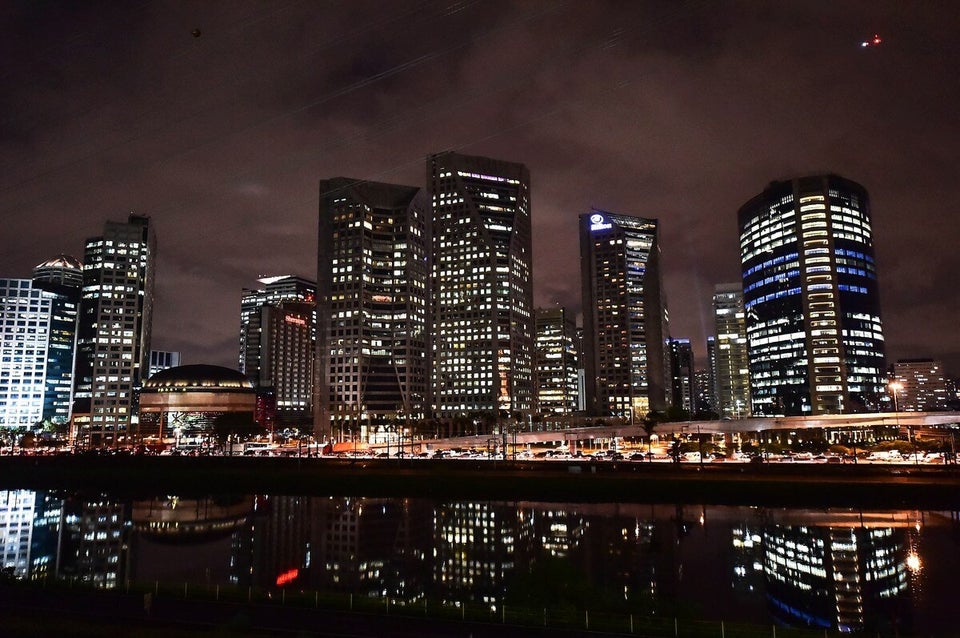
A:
{"x":829,"y":576}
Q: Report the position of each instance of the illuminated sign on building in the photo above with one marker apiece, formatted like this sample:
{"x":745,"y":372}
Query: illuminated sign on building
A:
{"x":299,"y":321}
{"x":288,"y":576}
{"x":597,"y":222}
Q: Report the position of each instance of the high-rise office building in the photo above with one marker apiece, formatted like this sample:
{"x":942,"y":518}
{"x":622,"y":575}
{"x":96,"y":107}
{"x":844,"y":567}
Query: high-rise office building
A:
{"x":275,"y":290}
{"x":162,"y":360}
{"x":372,"y":308}
{"x":811,"y":298}
{"x":732,"y":367}
{"x":287,"y":364}
{"x":113,"y":336}
{"x":557,"y":361}
{"x":38,"y":328}
{"x":713,"y":391}
{"x":705,"y":397}
{"x":923,"y":385}
{"x":624,"y":316}
{"x":277,"y":347}
{"x":481,"y":271}
{"x":682,"y":382}
{"x":61,"y":278}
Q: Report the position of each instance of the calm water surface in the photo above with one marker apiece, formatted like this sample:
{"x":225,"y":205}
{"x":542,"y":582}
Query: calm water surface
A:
{"x":841,"y":569}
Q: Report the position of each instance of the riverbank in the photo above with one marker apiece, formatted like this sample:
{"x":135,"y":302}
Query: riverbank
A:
{"x":785,"y":484}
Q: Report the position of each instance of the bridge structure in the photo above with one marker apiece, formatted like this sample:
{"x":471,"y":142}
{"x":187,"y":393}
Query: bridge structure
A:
{"x":918,"y":423}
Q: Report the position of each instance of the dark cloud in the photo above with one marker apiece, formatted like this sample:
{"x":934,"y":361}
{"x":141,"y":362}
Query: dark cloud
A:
{"x":680,"y":111}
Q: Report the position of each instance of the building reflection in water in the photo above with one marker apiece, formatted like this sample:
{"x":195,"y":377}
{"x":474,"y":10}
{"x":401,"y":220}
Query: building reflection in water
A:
{"x":172,"y":534}
{"x":370,"y":547}
{"x":843,"y":570}
{"x":846,"y":572}
{"x":17,"y":513}
{"x":92,"y":542}
{"x":477,"y":547}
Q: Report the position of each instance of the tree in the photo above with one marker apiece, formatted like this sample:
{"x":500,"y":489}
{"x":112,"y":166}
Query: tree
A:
{"x":239,"y":424}
{"x":676,"y":449}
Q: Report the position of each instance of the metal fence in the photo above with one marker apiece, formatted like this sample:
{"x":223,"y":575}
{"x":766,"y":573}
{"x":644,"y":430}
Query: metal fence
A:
{"x":547,"y":617}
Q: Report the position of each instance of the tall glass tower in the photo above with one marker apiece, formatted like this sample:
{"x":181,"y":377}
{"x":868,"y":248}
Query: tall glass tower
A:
{"x":113,"y":336}
{"x":372,"y":309}
{"x":625,"y":323}
{"x":811,"y":300}
{"x":481,"y":271}
{"x":682,"y":383}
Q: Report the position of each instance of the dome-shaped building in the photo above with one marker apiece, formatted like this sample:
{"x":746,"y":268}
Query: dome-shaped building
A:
{"x":196,"y":401}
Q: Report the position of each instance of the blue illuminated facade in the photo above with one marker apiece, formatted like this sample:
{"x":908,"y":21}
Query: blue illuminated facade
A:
{"x":811,"y":299}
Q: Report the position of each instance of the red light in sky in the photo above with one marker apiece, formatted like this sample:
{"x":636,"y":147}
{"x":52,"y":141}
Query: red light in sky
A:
{"x":872,"y":42}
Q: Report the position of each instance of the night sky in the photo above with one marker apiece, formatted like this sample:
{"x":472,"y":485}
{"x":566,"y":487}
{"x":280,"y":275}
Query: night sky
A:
{"x":680,"y":111}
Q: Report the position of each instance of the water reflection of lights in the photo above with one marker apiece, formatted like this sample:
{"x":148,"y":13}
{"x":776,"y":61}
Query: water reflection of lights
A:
{"x":913,"y":562}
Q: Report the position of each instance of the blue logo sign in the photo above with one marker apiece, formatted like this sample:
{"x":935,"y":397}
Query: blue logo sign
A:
{"x":597,"y":222}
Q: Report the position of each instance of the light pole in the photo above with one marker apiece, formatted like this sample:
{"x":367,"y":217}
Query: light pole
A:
{"x":895,"y":387}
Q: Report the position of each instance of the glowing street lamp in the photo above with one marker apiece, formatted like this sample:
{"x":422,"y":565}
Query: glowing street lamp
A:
{"x":895,"y":388}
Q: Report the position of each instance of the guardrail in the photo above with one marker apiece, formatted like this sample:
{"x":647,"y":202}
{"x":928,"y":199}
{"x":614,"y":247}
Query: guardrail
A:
{"x":565,"y":618}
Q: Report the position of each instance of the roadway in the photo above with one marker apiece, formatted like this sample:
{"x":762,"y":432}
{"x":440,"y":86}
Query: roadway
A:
{"x":920,"y":422}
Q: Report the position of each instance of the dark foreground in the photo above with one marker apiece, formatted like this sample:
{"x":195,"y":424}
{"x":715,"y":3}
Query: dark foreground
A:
{"x":786,"y":484}
{"x":28,"y":610}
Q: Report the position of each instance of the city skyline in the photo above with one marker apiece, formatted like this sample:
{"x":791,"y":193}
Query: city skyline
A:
{"x":678,"y":113}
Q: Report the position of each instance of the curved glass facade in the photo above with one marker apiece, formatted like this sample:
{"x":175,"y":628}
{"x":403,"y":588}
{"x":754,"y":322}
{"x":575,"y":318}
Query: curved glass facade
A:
{"x":811,"y":300}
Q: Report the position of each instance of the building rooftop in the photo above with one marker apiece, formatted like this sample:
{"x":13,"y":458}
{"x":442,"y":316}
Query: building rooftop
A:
{"x":198,"y":377}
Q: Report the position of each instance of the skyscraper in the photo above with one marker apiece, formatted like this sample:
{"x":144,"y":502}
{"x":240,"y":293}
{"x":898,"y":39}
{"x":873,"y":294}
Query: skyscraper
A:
{"x":682,"y":383}
{"x":557,"y":361}
{"x":162,"y":360}
{"x":61,"y":278}
{"x":275,"y":290}
{"x":113,"y":336}
{"x":705,"y":396}
{"x":712,"y":390}
{"x":730,"y":350}
{"x":278,"y":345}
{"x":38,"y":327}
{"x":811,"y":298}
{"x":372,"y":308}
{"x":481,"y":271}
{"x":624,"y":315}
{"x":924,"y":385}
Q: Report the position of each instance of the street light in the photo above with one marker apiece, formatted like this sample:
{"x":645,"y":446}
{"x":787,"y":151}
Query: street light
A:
{"x":895,"y":388}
